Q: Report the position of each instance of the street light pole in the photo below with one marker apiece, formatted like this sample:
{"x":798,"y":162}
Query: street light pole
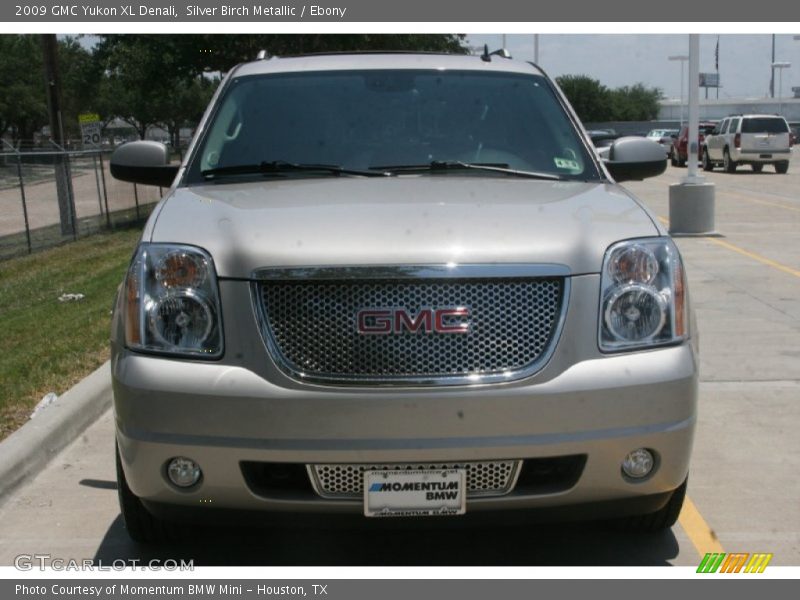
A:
{"x":691,"y":202}
{"x":536,"y":48}
{"x":781,"y":65}
{"x":683,"y":58}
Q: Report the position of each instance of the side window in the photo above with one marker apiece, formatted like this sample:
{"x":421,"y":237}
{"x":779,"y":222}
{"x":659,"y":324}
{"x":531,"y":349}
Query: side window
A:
{"x":723,"y":127}
{"x":734,"y":125}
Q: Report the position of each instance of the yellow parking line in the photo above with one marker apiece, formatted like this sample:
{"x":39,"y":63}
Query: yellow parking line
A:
{"x":762,"y":259}
{"x":767,"y":202}
{"x":701,"y":535}
{"x":757,"y":257}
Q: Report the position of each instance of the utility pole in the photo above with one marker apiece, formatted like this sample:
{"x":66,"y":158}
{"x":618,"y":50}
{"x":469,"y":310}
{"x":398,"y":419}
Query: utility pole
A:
{"x":66,"y":200}
{"x":772,"y":70}
{"x":691,"y":202}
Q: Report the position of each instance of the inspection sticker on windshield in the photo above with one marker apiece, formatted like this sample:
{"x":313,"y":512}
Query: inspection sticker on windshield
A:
{"x":434,"y":492}
{"x":567,"y":163}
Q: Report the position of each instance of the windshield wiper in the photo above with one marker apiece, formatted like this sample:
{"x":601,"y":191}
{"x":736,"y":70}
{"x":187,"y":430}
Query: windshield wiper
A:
{"x":281,"y":166}
{"x":458,"y":165}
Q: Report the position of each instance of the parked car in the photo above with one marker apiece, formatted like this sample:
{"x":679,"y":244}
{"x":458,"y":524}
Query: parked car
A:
{"x":665,"y":137}
{"x":680,"y":149}
{"x":399,"y":285}
{"x":754,"y":140}
{"x":602,"y":139}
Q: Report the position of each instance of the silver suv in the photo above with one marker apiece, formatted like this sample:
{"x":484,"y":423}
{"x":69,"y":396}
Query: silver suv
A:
{"x":400,"y":285}
{"x":753,"y":140}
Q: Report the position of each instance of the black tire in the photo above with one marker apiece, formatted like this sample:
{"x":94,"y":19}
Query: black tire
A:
{"x":757,"y":167}
{"x":782,"y":167}
{"x":681,"y":161}
{"x":727,"y":163}
{"x":662,"y":519}
{"x":707,"y":164}
{"x":139,"y":523}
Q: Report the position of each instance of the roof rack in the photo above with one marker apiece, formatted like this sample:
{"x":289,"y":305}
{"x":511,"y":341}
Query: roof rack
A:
{"x":487,"y":56}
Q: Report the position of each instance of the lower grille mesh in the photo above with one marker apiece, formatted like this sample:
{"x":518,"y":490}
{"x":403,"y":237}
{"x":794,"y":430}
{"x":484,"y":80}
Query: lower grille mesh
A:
{"x":485,"y":478}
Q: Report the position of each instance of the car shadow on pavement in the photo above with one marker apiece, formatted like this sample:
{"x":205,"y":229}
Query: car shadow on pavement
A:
{"x":573,"y":544}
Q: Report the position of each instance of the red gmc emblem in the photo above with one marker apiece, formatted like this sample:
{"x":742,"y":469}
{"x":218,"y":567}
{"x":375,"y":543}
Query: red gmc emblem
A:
{"x":385,"y":321}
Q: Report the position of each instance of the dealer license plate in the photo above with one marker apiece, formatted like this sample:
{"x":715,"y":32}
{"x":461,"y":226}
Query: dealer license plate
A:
{"x":434,"y":492}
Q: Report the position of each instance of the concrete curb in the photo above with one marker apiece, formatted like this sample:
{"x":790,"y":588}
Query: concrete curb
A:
{"x":26,"y":451}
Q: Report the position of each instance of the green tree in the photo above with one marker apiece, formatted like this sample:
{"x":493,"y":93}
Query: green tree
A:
{"x":590,"y":98}
{"x":23,"y":105}
{"x":80,"y":82}
{"x":138,"y":72}
{"x":185,"y":105}
{"x":221,"y":52}
{"x":596,"y":103}
{"x":635,"y":103}
{"x":23,"y":99}
{"x":159,"y":79}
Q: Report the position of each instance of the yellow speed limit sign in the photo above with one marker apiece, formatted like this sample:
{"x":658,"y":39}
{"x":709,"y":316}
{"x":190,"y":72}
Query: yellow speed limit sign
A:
{"x":91,"y":127}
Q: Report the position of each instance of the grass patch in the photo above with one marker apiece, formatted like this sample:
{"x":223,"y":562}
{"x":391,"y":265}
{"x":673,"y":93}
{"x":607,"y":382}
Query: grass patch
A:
{"x":47,"y":345}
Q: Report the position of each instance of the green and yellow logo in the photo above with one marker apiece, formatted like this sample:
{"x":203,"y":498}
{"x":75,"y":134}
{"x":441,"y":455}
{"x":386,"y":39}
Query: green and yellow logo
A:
{"x":742,"y":562}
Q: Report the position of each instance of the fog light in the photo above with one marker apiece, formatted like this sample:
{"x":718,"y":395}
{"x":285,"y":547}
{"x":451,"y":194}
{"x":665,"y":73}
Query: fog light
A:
{"x":183,"y":472}
{"x":638,"y":463}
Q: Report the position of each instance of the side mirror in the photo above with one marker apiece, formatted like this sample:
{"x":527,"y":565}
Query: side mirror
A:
{"x":143,"y":162}
{"x":634,"y":159}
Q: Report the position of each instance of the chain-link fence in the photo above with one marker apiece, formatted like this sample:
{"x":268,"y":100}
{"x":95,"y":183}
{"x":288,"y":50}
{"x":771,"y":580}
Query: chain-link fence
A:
{"x":48,"y":197}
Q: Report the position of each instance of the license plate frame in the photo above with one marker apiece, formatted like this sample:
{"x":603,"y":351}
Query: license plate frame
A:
{"x":415,"y":493}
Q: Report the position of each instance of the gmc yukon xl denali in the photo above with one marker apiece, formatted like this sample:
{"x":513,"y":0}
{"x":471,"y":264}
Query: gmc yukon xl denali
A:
{"x":400,"y":285}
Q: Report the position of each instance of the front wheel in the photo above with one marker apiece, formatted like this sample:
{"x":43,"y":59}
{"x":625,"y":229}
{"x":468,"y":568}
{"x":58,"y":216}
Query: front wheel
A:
{"x":782,"y":167}
{"x":661,"y":519}
{"x":139,"y":523}
{"x":707,"y":164}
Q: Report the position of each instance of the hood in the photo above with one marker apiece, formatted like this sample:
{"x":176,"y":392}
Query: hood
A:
{"x":426,"y":219}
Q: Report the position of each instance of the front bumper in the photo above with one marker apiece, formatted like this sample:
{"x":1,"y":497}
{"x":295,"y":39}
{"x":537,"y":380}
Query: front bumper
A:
{"x":222,"y":416}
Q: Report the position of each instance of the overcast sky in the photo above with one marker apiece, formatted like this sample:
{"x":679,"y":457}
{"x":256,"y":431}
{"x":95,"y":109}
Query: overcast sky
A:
{"x":616,"y":60}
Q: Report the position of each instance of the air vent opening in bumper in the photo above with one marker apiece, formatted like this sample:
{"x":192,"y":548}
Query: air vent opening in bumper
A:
{"x":295,"y":481}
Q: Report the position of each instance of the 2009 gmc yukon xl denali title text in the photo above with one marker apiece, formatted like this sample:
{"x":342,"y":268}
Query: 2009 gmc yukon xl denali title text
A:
{"x":400,"y":285}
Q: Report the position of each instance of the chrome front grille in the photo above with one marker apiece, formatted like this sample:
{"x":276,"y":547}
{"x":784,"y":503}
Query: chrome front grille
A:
{"x":310,"y":327}
{"x":484,"y":478}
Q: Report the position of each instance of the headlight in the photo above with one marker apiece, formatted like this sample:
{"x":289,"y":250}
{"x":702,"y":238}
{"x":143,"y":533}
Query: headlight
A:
{"x":172,"y":302}
{"x":642,"y":297}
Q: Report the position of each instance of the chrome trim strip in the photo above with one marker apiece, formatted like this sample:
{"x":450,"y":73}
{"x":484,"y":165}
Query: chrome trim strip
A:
{"x":405,"y":272}
{"x":476,"y":272}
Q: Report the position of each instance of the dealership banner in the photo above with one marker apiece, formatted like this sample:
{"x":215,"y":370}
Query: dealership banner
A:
{"x":407,"y":11}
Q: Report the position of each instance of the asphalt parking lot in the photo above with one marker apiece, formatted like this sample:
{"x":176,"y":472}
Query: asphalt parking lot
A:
{"x":744,"y":494}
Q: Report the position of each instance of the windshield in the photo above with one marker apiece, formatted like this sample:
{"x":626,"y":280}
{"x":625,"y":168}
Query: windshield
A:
{"x":379,"y":119}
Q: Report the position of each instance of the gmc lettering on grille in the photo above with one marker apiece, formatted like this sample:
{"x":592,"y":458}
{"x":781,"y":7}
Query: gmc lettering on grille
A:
{"x":387,"y":321}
